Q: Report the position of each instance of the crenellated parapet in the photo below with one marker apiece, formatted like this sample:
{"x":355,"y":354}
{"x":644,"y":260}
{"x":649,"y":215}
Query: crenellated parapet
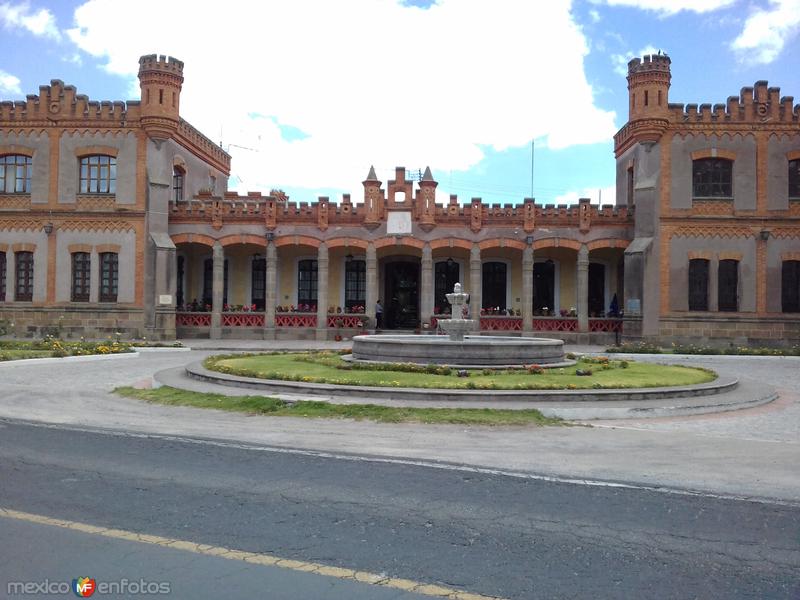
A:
{"x":754,"y":105}
{"x":323,"y":214}
{"x":759,"y":107}
{"x":192,"y":138}
{"x":62,"y":104}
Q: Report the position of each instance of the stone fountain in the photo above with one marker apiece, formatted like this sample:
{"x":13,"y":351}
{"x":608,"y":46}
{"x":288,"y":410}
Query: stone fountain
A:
{"x":456,"y":328}
{"x":458,"y":349}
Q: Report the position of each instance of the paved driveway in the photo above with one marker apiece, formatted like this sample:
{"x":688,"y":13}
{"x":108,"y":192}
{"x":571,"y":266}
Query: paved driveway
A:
{"x":755,"y":452}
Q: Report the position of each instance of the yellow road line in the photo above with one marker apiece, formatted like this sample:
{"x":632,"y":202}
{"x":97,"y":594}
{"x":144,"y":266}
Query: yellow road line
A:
{"x":257,"y":558}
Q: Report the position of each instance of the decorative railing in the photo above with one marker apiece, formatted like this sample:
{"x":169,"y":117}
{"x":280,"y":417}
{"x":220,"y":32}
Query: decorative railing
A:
{"x":500,"y":323}
{"x":295,"y":320}
{"x":606,"y":325}
{"x":347,"y":320}
{"x":555,"y":324}
{"x":193,"y":319}
{"x":242,"y":319}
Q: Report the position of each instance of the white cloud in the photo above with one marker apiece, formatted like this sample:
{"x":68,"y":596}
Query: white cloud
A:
{"x":369,"y":81}
{"x":40,"y":23}
{"x":671,"y":7}
{"x":9,"y":84}
{"x":594,"y":16}
{"x":766,"y":31}
{"x":620,"y":61}
{"x":608,"y":195}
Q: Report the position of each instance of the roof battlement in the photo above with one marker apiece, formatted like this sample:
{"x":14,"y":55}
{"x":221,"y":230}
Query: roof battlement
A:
{"x":759,"y":103}
{"x":649,"y":64}
{"x":164,"y":64}
{"x":59,"y":101}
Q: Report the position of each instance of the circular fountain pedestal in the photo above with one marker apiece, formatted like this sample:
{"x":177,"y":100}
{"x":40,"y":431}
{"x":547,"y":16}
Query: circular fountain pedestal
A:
{"x":458,"y":349}
{"x":474,"y":351}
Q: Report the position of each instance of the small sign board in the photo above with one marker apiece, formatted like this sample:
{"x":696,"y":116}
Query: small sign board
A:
{"x":633,"y":306}
{"x":165,"y":299}
{"x":398,"y":223}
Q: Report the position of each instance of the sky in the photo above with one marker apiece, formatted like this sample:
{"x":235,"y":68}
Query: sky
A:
{"x":503,"y":99}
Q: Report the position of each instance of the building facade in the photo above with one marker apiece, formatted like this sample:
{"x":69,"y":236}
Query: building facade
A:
{"x":115,"y":217}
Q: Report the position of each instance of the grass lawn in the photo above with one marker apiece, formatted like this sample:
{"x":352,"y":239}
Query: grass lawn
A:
{"x":382,"y":414}
{"x":328,"y":367}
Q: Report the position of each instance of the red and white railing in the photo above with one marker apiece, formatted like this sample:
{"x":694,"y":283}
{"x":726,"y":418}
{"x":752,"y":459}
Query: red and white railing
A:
{"x":295,"y":319}
{"x":242,"y":319}
{"x":193,"y":319}
{"x":555,"y":324}
{"x":500,"y":323}
{"x":352,"y":321}
{"x":606,"y":325}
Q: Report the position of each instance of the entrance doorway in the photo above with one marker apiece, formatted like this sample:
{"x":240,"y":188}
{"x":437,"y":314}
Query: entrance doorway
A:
{"x":401,"y":304}
{"x":544,"y":287}
{"x":597,"y":290}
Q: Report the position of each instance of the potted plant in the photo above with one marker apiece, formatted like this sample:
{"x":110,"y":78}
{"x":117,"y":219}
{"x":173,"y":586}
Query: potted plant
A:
{"x":338,"y":322}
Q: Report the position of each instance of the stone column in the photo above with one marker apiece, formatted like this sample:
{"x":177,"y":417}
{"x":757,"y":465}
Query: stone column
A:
{"x":322,"y":292}
{"x":372,"y":285}
{"x":527,"y":289}
{"x":475,"y":285}
{"x":583,"y":289}
{"x":426,"y":285}
{"x":217,"y":286}
{"x":271,"y":291}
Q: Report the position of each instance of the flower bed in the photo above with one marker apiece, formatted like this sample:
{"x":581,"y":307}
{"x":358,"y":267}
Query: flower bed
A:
{"x":55,"y":348}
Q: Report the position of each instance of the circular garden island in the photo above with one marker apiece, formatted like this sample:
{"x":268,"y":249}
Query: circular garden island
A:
{"x":588,"y":373}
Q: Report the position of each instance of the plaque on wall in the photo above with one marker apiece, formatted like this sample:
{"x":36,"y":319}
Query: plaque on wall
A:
{"x":398,"y":223}
{"x":633,"y":306}
{"x":165,"y":298}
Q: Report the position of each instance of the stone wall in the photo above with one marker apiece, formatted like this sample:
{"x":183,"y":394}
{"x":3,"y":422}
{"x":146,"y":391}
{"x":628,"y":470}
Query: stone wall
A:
{"x":727,"y":330}
{"x":73,"y":322}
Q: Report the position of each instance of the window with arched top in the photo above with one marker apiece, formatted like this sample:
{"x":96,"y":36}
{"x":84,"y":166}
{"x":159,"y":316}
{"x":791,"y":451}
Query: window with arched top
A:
{"x":98,"y":174}
{"x":81,"y":276}
{"x":794,"y":178}
{"x":109,"y":276}
{"x":790,"y":286}
{"x":712,"y":178}
{"x":355,"y":283}
{"x":178,"y":179}
{"x":15,"y":174}
{"x":307,"y":282}
{"x":2,"y":276}
{"x":698,"y":284}
{"x":446,"y":275}
{"x":494,"y":285}
{"x":23,"y":274}
{"x":728,"y":285}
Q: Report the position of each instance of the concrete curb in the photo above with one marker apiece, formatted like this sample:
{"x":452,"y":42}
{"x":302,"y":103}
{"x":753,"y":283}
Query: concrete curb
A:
{"x":52,"y":360}
{"x":595,"y":413}
{"x":149,"y":349}
{"x":197,"y":371}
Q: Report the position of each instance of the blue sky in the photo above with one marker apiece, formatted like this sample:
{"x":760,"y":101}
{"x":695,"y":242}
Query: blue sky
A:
{"x":306,"y":95}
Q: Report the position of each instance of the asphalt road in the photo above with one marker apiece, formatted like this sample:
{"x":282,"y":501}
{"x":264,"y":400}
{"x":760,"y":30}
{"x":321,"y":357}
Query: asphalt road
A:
{"x":486,"y":533}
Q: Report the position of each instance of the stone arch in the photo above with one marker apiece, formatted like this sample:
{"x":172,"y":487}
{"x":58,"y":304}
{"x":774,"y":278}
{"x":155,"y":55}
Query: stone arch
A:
{"x":192,"y":238}
{"x":297,"y":240}
{"x":243,"y":238}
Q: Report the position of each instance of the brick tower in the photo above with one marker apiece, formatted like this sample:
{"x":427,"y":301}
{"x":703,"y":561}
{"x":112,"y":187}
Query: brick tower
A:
{"x":648,"y":86}
{"x":160,"y":80}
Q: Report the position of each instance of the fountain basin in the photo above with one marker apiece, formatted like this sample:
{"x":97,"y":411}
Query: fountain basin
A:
{"x":474,"y":351}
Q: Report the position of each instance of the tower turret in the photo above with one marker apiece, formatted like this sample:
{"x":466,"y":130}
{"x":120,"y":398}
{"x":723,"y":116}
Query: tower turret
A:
{"x":648,"y":87}
{"x":160,"y":80}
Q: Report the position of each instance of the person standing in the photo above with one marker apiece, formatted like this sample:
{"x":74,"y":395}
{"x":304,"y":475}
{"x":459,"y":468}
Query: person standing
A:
{"x":378,"y":314}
